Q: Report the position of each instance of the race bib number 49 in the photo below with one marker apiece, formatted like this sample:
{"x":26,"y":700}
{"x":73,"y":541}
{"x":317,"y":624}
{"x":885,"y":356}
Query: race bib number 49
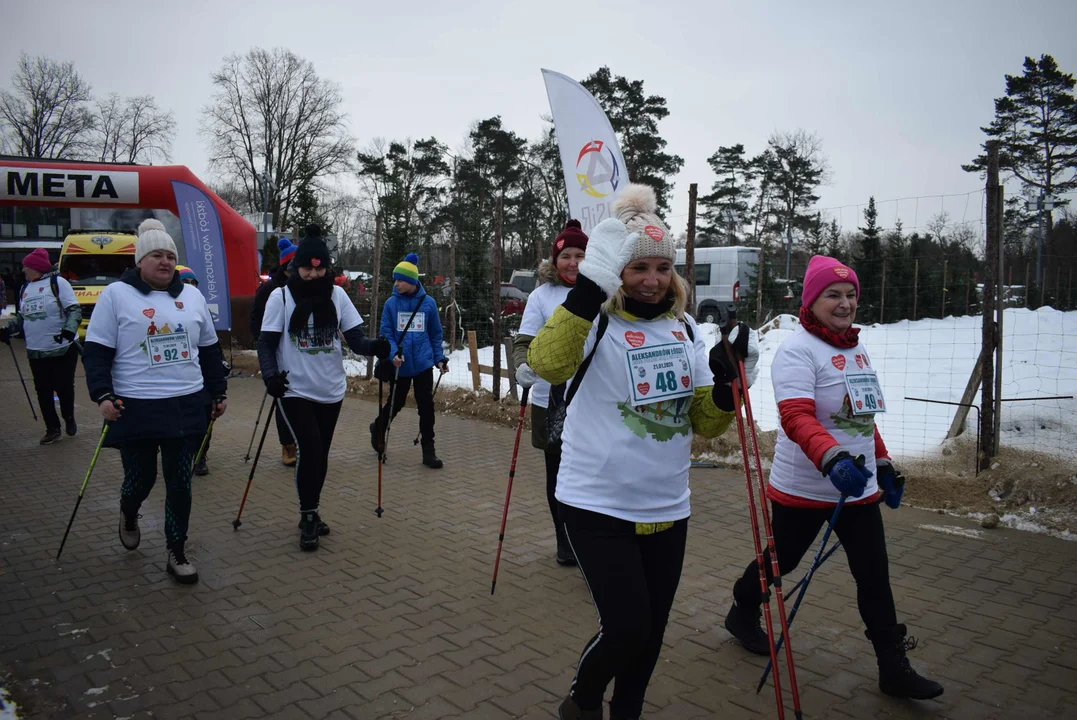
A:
{"x":865,"y":393}
{"x":417,"y":325}
{"x":169,"y":349}
{"x":659,"y":372}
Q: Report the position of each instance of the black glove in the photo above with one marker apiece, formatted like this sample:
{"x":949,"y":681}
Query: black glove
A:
{"x":725,"y":370}
{"x":277,"y":384}
{"x":381,"y":347}
{"x":64,"y":335}
{"x":444,"y":364}
{"x":5,"y":336}
{"x":892,"y":483}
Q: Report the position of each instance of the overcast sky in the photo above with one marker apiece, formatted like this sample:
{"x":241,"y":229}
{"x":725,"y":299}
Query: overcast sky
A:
{"x":897,"y":91}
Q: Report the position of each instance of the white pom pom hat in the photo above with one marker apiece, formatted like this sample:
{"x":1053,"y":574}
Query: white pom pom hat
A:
{"x":152,"y":236}
{"x":635,"y":207}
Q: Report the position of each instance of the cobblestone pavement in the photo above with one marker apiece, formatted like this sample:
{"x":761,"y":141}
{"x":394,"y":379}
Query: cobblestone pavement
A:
{"x":393,"y":618}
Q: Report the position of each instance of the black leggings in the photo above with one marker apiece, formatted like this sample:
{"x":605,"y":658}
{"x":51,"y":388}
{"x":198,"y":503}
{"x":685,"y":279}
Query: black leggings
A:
{"x":424,"y":399}
{"x":55,"y":374}
{"x":860,"y":530}
{"x":312,"y":425}
{"x":139,"y":459}
{"x":632,"y":579}
{"x":553,"y":464}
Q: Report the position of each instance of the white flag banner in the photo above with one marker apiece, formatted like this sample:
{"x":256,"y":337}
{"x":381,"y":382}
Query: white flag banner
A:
{"x":590,"y":156}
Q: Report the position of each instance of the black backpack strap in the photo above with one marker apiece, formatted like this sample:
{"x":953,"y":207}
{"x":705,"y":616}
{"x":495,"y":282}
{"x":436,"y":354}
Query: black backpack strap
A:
{"x":688,"y":327}
{"x":400,"y":340}
{"x":603,"y":323}
{"x":55,"y":285}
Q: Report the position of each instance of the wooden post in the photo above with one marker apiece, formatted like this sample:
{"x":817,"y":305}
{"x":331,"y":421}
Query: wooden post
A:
{"x":882,"y":296}
{"x":915,"y":286}
{"x":1058,"y":279}
{"x":943,"y":289}
{"x":375,"y":290}
{"x":452,"y":290}
{"x":690,"y":250}
{"x":958,"y":425}
{"x":507,"y":344}
{"x":497,"y":303}
{"x":1000,"y":314}
{"x":473,"y":349}
{"x":1028,"y":290}
{"x":989,"y":334}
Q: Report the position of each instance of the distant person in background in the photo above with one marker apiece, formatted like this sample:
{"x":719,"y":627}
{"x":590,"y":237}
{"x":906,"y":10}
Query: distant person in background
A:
{"x":558,"y":276}
{"x":48,"y":317}
{"x":277,"y":279}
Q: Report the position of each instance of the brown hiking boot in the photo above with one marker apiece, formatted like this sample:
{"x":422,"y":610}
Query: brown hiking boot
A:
{"x":287,"y":454}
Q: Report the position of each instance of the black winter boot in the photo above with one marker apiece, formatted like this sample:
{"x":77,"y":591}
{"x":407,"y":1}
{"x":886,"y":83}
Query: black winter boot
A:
{"x":744,"y":624}
{"x":200,"y":467}
{"x":308,"y":531}
{"x":896,"y":676}
{"x":569,"y":710}
{"x":375,"y":441}
{"x":430,"y":458}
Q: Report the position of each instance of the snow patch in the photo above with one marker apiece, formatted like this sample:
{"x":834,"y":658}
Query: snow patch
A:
{"x":76,"y":632}
{"x":96,"y":691}
{"x":9,"y":709}
{"x":954,"y":530}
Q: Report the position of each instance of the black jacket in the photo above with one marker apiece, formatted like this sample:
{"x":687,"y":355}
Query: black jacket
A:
{"x":261,"y":297}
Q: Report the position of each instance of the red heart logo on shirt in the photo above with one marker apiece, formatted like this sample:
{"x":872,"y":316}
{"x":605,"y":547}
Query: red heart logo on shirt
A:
{"x":184,"y":353}
{"x":656,"y":233}
{"x":685,"y":380}
{"x":644,"y":388}
{"x":839,"y":361}
{"x":149,"y":312}
{"x":635,"y":339}
{"x":860,"y":361}
{"x":157,"y":358}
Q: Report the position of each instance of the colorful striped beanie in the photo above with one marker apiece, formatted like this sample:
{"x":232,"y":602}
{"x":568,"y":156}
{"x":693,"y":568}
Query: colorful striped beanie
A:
{"x":408,"y":270}
{"x":186,"y":274}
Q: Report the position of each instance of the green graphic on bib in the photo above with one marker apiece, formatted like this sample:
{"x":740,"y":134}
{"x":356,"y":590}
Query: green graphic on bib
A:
{"x":846,"y":421}
{"x":662,"y":420}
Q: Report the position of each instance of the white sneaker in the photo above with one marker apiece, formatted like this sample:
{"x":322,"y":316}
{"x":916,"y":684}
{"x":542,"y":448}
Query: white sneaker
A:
{"x":180,"y":567}
{"x":130,"y":535}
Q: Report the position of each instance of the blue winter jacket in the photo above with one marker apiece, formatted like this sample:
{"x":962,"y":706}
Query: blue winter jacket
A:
{"x":422,"y":350}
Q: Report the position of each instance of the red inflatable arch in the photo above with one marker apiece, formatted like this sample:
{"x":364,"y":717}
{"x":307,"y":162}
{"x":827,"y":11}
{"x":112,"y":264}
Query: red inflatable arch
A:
{"x":58,"y":183}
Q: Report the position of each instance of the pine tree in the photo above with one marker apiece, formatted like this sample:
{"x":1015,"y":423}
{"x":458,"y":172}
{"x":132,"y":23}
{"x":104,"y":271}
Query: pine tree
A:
{"x":869,"y":265}
{"x":726,"y":208}
{"x":634,"y":117}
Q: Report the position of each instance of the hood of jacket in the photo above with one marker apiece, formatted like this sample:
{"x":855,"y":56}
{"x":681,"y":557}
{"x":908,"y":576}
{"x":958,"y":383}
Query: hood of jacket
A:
{"x":413,"y":297}
{"x":547,"y":273}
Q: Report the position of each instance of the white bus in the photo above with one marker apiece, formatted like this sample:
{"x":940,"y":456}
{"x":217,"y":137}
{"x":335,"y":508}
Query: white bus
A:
{"x":721,"y":273}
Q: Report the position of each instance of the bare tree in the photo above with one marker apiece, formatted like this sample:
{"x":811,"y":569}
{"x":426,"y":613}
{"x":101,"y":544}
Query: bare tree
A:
{"x":272,"y":113}
{"x":45,"y":112}
{"x":133,"y":129}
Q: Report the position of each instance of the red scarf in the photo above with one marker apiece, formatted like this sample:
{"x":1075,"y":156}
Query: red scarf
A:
{"x":847,"y":339}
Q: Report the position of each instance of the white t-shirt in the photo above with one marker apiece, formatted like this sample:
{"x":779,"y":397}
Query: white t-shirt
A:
{"x":42,"y":317}
{"x":807,"y":367}
{"x":540,"y":306}
{"x":625,"y":455}
{"x":315,"y":365}
{"x":156,"y":338}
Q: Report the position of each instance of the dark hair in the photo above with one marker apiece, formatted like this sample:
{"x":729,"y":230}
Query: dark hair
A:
{"x":312,"y":230}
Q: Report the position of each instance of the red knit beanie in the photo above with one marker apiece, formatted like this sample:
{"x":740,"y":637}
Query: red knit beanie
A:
{"x":572,"y":236}
{"x":38,"y":260}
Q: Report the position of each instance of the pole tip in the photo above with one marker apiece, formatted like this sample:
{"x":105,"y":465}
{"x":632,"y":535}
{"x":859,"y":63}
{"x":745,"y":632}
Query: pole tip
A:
{"x":236,"y":524}
{"x":378,"y":511}
{"x":492,"y":586}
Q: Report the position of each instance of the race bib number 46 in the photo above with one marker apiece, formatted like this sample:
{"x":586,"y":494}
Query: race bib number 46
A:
{"x":169,"y":349}
{"x":865,"y":393}
{"x":417,"y":325}
{"x":659,"y":372}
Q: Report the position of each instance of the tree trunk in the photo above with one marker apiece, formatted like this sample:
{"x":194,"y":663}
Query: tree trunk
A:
{"x":690,"y":250}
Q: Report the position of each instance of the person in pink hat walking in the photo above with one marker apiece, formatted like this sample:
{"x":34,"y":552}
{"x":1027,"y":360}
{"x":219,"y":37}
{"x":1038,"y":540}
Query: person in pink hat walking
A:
{"x":829,"y":448}
{"x":48,"y":317}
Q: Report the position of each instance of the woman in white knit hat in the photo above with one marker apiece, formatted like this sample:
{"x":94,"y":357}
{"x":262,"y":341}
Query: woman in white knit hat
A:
{"x":153,"y":364}
{"x":642,"y":384}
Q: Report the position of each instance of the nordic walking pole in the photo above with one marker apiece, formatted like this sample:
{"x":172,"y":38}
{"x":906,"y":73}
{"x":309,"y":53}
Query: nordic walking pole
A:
{"x":739,"y":385}
{"x":257,"y":420}
{"x":202,"y":447}
{"x":250,"y":478}
{"x":85,"y":482}
{"x":381,"y":441}
{"x":803,"y":584}
{"x":508,"y":490}
{"x":432,"y":396}
{"x":17,"y":368}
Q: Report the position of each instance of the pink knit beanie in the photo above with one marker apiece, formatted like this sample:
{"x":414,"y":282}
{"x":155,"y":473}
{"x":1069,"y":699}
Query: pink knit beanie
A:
{"x":823,"y":272}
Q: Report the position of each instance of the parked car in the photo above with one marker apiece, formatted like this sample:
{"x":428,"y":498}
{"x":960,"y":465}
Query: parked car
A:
{"x":512,"y":299}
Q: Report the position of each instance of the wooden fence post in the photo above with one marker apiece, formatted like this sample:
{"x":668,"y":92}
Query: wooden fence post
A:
{"x":473,"y":348}
{"x":511,"y":367}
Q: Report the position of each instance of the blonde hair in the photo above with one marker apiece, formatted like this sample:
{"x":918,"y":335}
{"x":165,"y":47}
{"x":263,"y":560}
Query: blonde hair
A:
{"x":678,"y":288}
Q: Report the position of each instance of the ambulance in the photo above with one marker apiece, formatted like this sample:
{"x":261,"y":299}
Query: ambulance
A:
{"x":90,"y":260}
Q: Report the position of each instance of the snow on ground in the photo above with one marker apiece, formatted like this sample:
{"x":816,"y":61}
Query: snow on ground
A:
{"x":8,"y":709}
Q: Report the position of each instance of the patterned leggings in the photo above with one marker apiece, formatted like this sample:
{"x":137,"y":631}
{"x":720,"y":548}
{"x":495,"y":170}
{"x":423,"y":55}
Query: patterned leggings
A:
{"x":140,"y":473}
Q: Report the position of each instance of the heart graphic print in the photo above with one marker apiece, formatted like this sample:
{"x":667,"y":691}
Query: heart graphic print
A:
{"x":149,"y":312}
{"x":635,"y":339}
{"x":838,"y":361}
{"x":685,"y":380}
{"x":643,"y":388}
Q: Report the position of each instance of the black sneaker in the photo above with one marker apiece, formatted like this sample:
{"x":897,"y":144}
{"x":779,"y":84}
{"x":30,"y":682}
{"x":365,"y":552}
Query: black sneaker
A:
{"x":374,"y":443}
{"x":308,"y":531}
{"x":430,"y":458}
{"x":200,"y":467}
{"x":71,"y":426}
{"x":51,"y":436}
{"x":565,"y":556}
{"x":130,"y":535}
{"x":744,"y":624}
